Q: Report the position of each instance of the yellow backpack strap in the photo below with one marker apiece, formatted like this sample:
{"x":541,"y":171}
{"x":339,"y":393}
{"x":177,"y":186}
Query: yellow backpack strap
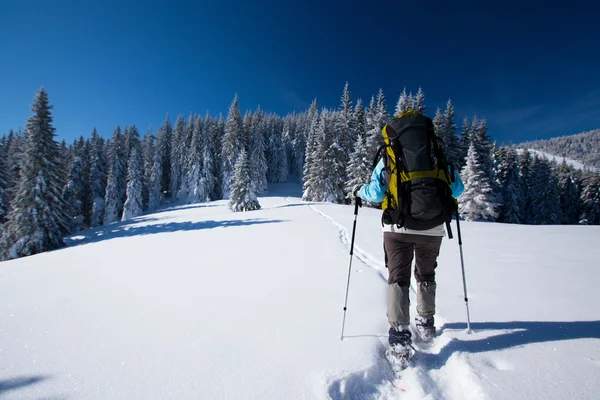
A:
{"x":434,"y":173}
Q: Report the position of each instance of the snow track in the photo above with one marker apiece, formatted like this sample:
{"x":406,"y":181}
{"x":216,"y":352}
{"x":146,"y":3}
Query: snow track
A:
{"x":431,"y":377}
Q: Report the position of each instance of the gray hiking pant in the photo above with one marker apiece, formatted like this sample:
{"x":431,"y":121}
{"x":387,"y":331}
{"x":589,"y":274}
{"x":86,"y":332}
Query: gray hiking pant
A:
{"x":400,"y":249}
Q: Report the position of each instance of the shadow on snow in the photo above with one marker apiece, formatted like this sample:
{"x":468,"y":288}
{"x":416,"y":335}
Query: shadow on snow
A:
{"x":129,"y":229}
{"x":19,"y":383}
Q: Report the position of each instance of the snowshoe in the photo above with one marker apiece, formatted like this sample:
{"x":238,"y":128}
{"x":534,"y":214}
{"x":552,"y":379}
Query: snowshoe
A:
{"x":425,"y":328}
{"x":400,"y":351}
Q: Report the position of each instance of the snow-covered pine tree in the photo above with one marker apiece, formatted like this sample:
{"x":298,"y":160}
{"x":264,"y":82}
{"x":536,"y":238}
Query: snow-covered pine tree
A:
{"x":570,"y":194}
{"x":217,"y":147}
{"x":546,"y":199}
{"x":164,"y":138}
{"x":277,"y":171}
{"x":148,"y":150}
{"x":440,"y":126}
{"x":116,"y":186}
{"x":98,"y":176}
{"x":511,"y":188}
{"x":419,"y":101}
{"x":310,"y":152}
{"x":525,"y":161}
{"x":360,"y":120}
{"x":452,"y":141}
{"x":359,"y":166}
{"x":464,"y":142}
{"x":197,"y":190}
{"x":257,"y":148}
{"x":590,"y":199}
{"x":476,"y":202}
{"x":178,"y":153}
{"x":287,"y":139}
{"x":16,"y":145}
{"x":336,"y":161}
{"x":404,"y":103}
{"x":376,"y":119}
{"x":314,"y":187}
{"x":211,"y":163}
{"x":135,"y":180}
{"x":3,"y":179}
{"x":346,"y":130}
{"x":37,"y":221}
{"x":497,"y":157}
{"x":232,"y":145}
{"x":73,"y":194}
{"x":243,"y":197}
{"x":299,"y":145}
{"x":155,"y":190}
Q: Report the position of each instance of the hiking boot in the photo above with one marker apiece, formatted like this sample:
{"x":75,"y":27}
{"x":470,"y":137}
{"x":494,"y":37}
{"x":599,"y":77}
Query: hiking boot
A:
{"x":425,"y":327}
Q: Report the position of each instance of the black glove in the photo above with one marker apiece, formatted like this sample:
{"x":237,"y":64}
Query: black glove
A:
{"x":357,"y":200}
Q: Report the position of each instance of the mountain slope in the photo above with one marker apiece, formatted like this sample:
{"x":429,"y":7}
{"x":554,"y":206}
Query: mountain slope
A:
{"x":583,"y":148}
{"x":199,"y":302}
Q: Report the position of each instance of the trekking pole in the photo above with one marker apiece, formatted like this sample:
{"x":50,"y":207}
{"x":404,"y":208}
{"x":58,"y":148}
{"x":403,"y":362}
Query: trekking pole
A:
{"x":350,"y":266}
{"x":462,"y":264}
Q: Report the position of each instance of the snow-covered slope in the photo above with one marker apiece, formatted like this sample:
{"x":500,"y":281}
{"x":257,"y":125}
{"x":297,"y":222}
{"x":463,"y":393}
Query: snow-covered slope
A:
{"x":197,"y":302}
{"x":558,"y":159}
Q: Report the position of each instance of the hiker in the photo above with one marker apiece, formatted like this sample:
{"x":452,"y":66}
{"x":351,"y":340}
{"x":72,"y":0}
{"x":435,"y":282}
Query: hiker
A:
{"x":417,"y":189}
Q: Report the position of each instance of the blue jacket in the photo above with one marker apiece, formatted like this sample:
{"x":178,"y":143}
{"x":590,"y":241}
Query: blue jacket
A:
{"x":374,"y":191}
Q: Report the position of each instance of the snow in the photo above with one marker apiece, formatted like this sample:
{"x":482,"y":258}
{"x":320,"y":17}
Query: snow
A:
{"x":200,"y":302}
{"x":558,"y":159}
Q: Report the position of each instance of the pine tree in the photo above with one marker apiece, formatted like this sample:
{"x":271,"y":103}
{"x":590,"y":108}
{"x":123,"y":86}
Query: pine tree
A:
{"x":404,"y":103}
{"x":37,"y":221}
{"x":116,"y":186}
{"x":155,"y":190}
{"x":178,"y":152}
{"x":314,"y":187}
{"x":440,"y":126}
{"x":148,"y":152}
{"x":217,"y":146}
{"x":590,"y":199}
{"x":525,"y":161}
{"x":233,"y":144}
{"x":73,"y":194}
{"x":346,"y":130}
{"x":3,"y":179}
{"x":570,"y":195}
{"x":310,"y":152}
{"x":360,"y":120}
{"x":16,"y":144}
{"x":277,"y":171}
{"x":211,"y":163}
{"x":546,"y":200}
{"x":511,"y":188}
{"x":452,"y":141}
{"x":163,"y":148}
{"x":465,"y":142}
{"x":336,"y":160}
{"x":135,"y":179}
{"x":476,"y":202}
{"x":197,"y":190}
{"x":359,"y":166}
{"x":257,"y":148}
{"x":98,"y":176}
{"x":419,"y":102}
{"x":377,"y":117}
{"x":243,"y":197}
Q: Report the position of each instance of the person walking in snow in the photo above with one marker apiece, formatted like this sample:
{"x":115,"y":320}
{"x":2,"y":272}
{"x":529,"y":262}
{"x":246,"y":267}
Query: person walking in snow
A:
{"x":417,"y":189}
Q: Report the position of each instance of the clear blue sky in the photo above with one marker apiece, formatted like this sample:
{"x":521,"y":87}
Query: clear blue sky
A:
{"x":531,"y":68}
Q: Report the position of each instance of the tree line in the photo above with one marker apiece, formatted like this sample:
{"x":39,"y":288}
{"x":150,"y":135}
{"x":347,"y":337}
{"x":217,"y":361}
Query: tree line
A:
{"x":50,"y":189}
